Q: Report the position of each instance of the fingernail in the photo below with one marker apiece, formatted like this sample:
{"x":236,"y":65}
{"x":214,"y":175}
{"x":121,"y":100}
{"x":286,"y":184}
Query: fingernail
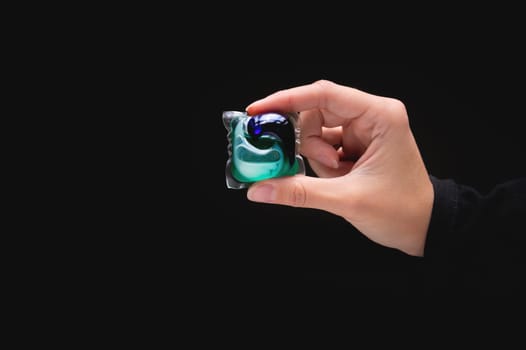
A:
{"x":262,"y":193}
{"x":249,"y":107}
{"x":329,"y":162}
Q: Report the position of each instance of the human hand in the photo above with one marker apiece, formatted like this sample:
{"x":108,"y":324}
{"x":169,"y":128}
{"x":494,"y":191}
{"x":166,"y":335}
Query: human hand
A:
{"x":370,"y":170}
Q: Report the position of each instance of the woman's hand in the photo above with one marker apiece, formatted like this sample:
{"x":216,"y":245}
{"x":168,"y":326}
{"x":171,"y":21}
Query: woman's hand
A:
{"x":370,"y":169}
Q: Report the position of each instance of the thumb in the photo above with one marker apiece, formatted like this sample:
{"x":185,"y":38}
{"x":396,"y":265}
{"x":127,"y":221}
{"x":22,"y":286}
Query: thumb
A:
{"x":297,"y":191}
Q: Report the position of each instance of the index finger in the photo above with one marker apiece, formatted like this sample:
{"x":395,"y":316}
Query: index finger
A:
{"x":339,"y":103}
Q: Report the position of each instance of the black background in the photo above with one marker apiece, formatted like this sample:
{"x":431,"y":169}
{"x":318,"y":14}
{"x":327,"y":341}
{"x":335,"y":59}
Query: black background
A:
{"x":466,"y":118}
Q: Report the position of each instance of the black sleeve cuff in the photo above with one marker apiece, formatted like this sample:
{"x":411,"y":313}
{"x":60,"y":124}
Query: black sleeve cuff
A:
{"x":443,"y":215}
{"x":440,"y":234}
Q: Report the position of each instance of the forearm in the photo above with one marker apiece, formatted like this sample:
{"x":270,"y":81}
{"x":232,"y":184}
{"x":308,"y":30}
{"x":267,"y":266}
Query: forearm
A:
{"x":475,"y":240}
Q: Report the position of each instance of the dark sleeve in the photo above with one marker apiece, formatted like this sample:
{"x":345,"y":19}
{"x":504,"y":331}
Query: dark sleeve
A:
{"x":476,"y":242}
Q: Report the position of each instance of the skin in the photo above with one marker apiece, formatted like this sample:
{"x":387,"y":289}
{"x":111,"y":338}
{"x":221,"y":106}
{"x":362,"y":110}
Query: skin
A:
{"x":369,"y":168}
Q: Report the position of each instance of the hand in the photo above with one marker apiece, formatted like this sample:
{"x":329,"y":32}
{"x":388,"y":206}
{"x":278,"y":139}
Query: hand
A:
{"x":369,"y":167}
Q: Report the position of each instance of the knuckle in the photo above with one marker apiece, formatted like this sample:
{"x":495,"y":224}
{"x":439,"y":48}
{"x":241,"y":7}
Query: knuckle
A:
{"x":323,"y":82}
{"x":396,"y":111}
